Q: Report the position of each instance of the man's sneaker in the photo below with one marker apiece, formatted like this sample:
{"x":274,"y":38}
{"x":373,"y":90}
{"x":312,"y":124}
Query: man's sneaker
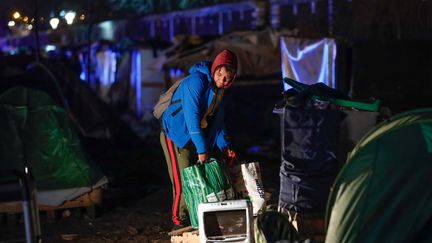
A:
{"x":183,"y":224}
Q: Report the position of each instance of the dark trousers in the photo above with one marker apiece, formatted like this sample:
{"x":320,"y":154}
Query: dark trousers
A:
{"x":177,"y":159}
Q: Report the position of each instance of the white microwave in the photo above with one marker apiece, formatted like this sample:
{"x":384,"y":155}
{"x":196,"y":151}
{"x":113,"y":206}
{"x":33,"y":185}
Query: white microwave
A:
{"x":226,"y":221}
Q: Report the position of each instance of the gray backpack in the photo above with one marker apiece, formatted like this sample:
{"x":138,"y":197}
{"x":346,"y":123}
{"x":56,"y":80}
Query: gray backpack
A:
{"x":165,"y":100}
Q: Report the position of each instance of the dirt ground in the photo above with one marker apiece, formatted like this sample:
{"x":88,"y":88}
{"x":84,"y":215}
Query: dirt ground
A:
{"x":137,"y":201}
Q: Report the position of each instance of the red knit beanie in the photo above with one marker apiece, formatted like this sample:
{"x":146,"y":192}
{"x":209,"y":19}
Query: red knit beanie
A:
{"x":225,"y":57}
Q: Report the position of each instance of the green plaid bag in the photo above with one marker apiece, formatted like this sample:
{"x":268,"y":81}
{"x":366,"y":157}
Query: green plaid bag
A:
{"x":273,"y":226}
{"x":202,"y":183}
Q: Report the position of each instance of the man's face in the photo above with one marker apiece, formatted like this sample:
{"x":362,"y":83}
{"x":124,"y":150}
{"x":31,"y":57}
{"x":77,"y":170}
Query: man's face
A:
{"x":223,"y":78}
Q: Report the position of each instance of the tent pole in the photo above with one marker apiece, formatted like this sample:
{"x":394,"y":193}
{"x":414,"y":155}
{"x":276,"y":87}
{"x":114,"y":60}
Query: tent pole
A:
{"x":36,"y":30}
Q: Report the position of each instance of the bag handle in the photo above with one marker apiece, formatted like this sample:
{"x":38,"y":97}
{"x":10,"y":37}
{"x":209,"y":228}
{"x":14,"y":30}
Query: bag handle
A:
{"x":204,"y":177}
{"x":206,"y":180}
{"x":200,"y":168}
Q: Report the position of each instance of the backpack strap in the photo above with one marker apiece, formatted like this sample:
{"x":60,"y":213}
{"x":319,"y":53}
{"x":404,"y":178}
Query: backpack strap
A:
{"x":175,"y":101}
{"x":178,"y":109}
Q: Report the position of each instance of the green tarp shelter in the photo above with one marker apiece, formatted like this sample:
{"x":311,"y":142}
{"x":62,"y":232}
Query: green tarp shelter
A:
{"x":382,"y":193}
{"x":37,"y":132}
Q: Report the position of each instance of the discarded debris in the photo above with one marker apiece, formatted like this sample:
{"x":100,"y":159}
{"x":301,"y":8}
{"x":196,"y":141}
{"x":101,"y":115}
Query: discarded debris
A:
{"x":69,"y":237}
{"x":132,"y":230}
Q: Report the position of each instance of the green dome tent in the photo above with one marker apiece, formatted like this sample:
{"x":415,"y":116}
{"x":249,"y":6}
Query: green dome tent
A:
{"x":382,"y":194}
{"x":37,"y":132}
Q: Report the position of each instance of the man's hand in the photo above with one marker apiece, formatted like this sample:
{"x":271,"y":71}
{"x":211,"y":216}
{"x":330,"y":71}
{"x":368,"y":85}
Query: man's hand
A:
{"x":230,"y":153}
{"x":230,"y":157}
{"x":203,"y":157}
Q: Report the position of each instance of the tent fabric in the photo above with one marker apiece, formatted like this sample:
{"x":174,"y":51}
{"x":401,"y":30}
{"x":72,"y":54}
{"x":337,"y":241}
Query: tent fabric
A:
{"x":36,"y":132}
{"x":308,"y":61}
{"x":59,"y":196}
{"x":90,"y":113}
{"x":381,"y":193}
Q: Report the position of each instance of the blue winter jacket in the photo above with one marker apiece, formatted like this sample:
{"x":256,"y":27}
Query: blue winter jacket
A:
{"x":183,"y":124}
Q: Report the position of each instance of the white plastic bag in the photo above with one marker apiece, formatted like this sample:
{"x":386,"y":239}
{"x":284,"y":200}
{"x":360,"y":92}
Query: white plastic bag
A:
{"x":247,"y":184}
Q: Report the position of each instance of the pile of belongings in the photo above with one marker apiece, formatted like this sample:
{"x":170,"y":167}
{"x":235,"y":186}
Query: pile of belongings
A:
{"x":321,"y":96}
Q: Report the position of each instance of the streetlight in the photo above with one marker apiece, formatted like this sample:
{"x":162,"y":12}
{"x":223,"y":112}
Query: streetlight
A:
{"x":16,"y":15}
{"x":70,"y":16}
{"x":54,"y":22}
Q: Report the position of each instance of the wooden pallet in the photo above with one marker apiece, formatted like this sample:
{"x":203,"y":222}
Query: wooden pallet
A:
{"x":88,"y":200}
{"x":183,"y":235}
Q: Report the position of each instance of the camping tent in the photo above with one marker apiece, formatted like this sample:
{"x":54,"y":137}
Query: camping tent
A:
{"x":381,"y":194}
{"x":37,"y":132}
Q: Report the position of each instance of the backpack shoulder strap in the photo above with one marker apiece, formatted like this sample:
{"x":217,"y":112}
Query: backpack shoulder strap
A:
{"x":165,"y":100}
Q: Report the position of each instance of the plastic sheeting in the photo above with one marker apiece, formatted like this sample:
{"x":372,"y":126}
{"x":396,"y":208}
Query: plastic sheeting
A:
{"x":315,"y":145}
{"x":257,"y":53}
{"x":147,"y":80}
{"x":139,"y":81}
{"x":308,"y":61}
{"x":309,"y":163}
{"x":105,"y":70}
